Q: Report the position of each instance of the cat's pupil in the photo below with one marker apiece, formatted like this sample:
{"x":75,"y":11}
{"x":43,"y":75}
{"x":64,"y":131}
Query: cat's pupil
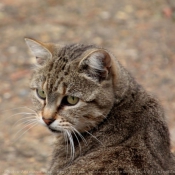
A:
{"x":41,"y":94}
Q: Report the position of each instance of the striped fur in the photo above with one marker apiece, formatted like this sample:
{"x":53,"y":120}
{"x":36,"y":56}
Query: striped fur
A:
{"x":115,"y":127}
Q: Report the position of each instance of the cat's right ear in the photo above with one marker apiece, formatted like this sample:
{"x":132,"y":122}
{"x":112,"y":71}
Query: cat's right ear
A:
{"x":97,"y":65}
{"x":39,"y":50}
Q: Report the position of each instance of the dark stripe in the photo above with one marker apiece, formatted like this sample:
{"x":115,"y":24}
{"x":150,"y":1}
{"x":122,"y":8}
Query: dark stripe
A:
{"x":59,"y":64}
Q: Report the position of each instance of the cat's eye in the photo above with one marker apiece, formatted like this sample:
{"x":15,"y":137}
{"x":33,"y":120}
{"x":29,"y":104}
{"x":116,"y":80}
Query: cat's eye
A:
{"x":41,"y":94}
{"x":70,"y":100}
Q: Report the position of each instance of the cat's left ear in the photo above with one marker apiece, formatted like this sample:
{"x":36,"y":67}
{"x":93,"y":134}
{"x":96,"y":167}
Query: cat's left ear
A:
{"x":40,"y":50}
{"x":96,"y":64}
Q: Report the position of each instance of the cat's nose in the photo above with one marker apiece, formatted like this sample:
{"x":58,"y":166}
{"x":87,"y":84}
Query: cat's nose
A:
{"x":48,"y":121}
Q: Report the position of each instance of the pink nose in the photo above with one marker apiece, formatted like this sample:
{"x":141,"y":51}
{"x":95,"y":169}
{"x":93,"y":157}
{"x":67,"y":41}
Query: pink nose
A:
{"x":48,"y":121}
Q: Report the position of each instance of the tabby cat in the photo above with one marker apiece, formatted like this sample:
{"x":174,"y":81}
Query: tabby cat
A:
{"x":104,"y":121}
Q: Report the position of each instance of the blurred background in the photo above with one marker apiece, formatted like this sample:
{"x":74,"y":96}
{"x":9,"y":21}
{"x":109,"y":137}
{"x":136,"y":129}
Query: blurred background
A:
{"x":140,"y":33}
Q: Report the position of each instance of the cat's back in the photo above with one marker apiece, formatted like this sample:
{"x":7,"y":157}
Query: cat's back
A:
{"x":134,"y":139}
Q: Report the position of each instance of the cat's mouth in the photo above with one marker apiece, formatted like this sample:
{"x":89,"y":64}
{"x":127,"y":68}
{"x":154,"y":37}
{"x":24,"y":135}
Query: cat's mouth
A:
{"x":54,"y":131}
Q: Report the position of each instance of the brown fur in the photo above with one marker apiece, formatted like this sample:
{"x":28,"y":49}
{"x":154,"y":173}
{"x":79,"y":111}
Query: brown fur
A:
{"x":123,"y":127}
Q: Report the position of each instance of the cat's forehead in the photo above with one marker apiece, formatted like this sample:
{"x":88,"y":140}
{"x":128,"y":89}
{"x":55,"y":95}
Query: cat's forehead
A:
{"x":64,"y":64}
{"x":63,"y":58}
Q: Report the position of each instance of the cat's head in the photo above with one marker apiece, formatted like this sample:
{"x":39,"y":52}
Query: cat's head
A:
{"x":72,"y":85}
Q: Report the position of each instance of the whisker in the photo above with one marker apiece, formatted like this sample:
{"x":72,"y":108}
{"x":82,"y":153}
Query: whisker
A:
{"x":71,"y":148}
{"x":79,"y":134}
{"x":22,"y":120}
{"x":21,"y":113}
{"x":105,"y":118}
{"x":95,"y":138}
{"x":26,"y":131}
{"x":72,"y":145}
{"x":15,"y":109}
{"x":66,"y":140}
{"x":26,"y":121}
{"x":76,"y":138}
{"x":26,"y":126}
{"x":32,"y":110}
{"x":67,"y":133}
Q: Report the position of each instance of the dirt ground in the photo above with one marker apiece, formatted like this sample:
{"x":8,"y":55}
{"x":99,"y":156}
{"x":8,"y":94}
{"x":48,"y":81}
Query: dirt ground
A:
{"x":140,"y":33}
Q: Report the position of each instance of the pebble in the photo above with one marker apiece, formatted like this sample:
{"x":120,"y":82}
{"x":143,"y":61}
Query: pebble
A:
{"x":7,"y":95}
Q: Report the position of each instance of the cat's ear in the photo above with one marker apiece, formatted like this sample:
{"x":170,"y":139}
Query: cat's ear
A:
{"x":96,"y":64}
{"x":40,"y":50}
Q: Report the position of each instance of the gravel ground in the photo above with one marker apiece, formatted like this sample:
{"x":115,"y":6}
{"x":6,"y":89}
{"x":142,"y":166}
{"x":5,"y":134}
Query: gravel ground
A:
{"x":139,"y":33}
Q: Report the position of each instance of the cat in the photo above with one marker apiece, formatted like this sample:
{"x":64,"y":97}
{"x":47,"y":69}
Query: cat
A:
{"x":103,"y":120}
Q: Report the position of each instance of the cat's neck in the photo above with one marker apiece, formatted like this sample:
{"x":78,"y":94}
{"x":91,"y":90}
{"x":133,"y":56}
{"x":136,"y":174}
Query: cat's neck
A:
{"x":120,"y":123}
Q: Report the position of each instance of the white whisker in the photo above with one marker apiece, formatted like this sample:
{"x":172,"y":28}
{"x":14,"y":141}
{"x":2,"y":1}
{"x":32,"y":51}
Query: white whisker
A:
{"x":71,"y":145}
{"x":26,"y":121}
{"x":79,"y":134}
{"x":25,"y":126}
{"x":15,"y":109}
{"x":95,"y":138}
{"x":66,"y":141}
{"x":31,"y":117}
{"x":105,"y":118}
{"x":32,"y":110}
{"x":76,"y":138}
{"x":34,"y":124}
{"x":21,"y":113}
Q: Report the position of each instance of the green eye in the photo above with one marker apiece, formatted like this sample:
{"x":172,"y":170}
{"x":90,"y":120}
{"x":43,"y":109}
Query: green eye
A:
{"x":41,"y":94}
{"x":72,"y":100}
